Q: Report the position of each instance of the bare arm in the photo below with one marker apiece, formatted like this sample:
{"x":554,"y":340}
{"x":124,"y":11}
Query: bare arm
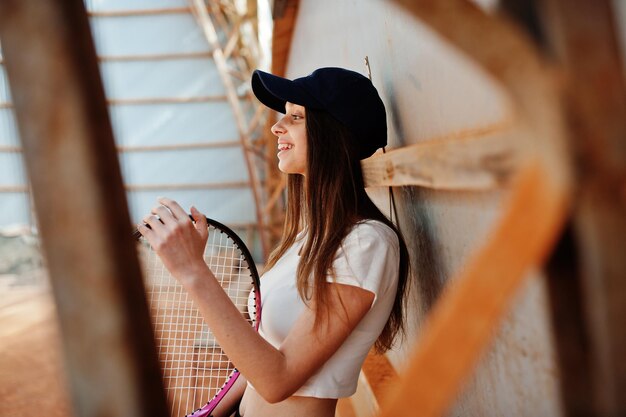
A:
{"x":275,"y":373}
{"x":278,"y":373}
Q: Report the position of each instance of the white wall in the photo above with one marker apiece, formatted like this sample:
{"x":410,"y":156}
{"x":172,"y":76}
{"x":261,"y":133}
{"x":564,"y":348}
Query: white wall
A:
{"x":432,"y":90}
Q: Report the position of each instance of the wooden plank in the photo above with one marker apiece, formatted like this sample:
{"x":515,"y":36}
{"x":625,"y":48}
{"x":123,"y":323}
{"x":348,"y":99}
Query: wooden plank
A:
{"x":473,"y":160}
{"x":83,"y":218}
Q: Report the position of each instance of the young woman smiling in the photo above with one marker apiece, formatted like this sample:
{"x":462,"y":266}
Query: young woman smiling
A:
{"x":335,"y":285}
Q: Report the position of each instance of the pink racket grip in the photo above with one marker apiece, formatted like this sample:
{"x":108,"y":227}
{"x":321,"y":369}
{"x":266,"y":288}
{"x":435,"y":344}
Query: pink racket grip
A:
{"x":210,"y":406}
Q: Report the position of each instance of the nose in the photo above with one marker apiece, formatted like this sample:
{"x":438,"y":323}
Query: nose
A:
{"x":278,"y":128}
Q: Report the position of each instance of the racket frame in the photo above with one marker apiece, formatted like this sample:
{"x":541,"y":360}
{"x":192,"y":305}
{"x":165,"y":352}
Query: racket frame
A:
{"x":207,"y":409}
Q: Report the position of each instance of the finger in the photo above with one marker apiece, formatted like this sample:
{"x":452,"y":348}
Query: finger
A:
{"x":144,"y":230}
{"x":201,"y":223}
{"x":156,"y":225}
{"x":164,"y":214}
{"x":175,"y":208}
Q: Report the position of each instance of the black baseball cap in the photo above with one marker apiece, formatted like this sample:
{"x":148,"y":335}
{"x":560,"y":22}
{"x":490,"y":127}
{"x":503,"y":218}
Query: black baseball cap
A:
{"x":348,"y":96}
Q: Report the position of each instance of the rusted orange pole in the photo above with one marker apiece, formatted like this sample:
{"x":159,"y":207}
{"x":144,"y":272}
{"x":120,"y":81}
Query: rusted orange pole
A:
{"x":461,"y":324}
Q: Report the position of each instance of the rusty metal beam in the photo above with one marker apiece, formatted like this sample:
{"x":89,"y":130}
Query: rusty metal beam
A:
{"x":150,"y":100}
{"x":284,"y":26}
{"x":81,"y":208}
{"x":278,"y":8}
{"x":582,"y":35}
{"x":139,"y":12}
{"x":538,"y":201}
{"x":564,"y":280}
{"x":571,"y":338}
{"x":189,"y":186}
{"x":526,"y":13}
{"x":153,"y":148}
{"x":155,"y":57}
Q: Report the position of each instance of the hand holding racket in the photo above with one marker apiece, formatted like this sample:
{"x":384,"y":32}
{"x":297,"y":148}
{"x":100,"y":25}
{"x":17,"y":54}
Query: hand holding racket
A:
{"x":196,"y":371}
{"x":178,"y":239}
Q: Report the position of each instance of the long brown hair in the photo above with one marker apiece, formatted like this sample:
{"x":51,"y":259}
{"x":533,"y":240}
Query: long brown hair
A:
{"x":328,"y":202}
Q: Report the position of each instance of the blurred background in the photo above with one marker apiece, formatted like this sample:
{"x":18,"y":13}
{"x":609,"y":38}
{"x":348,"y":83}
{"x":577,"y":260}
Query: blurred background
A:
{"x":187,"y":126}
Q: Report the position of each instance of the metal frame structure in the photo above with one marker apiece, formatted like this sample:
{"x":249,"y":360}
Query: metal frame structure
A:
{"x":230,"y":21}
{"x":235,"y":62}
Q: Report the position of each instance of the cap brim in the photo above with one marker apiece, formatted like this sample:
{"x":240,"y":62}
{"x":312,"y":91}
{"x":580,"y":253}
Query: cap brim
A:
{"x":274,"y":91}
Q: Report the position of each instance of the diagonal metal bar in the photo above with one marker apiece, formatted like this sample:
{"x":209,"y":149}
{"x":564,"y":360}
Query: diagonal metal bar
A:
{"x":81,"y":208}
{"x":232,"y":39}
{"x":210,"y":33}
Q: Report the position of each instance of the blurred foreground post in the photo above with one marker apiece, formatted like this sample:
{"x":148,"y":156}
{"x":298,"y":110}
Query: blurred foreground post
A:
{"x":81,"y":208}
{"x":583,"y":36}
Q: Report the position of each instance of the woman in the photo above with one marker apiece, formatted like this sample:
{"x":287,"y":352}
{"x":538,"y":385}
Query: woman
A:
{"x":334,"y":286}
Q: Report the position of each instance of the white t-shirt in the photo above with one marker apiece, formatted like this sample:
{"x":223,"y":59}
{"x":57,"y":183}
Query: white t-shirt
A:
{"x":368,"y":258}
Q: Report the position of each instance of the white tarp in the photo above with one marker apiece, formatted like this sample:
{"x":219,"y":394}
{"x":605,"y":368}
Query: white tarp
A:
{"x":163,"y":123}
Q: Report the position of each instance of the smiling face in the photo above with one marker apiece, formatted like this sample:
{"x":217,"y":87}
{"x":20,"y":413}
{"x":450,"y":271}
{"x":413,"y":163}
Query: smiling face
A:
{"x":292,"y":142}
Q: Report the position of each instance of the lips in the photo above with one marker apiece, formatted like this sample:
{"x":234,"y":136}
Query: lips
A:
{"x":283,"y":147}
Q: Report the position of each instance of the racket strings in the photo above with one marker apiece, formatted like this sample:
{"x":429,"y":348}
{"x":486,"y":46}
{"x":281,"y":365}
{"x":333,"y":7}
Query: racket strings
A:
{"x":193,"y":364}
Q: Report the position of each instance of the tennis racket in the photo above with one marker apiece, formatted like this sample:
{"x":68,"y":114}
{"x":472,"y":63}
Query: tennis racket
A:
{"x":196,"y":372}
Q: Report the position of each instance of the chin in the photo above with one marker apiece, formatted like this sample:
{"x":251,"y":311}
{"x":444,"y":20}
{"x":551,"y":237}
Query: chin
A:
{"x":283,"y":168}
{"x":287,"y":169}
